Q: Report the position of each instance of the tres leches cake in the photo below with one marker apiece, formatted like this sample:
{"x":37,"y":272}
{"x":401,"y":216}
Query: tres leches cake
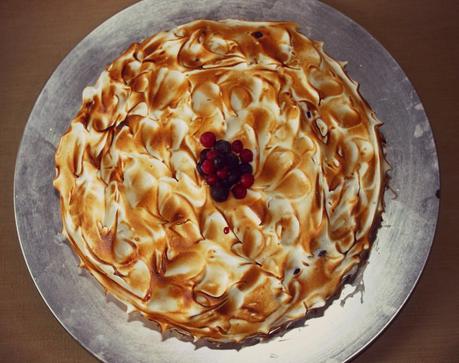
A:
{"x":222,"y":178}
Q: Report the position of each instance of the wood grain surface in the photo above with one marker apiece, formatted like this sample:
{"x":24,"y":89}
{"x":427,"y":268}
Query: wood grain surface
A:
{"x":422,"y":35}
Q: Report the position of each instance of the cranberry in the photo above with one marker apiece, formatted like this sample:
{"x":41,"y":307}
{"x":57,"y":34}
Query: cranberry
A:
{"x":246,"y":156}
{"x":245,"y":168}
{"x":239,"y":191}
{"x":247,"y":180}
{"x":219,"y":162}
{"x":207,"y":139}
{"x":257,"y":34}
{"x":233,"y":177}
{"x":231,"y":160}
{"x":225,"y":166}
{"x":226,"y":230}
{"x":211,"y":179}
{"x":207,"y":167}
{"x":237,"y":146}
{"x":223,"y":173}
{"x":223,"y":146}
{"x":203,"y":154}
{"x":219,"y":192}
{"x":199,"y":167}
{"x":212,"y":154}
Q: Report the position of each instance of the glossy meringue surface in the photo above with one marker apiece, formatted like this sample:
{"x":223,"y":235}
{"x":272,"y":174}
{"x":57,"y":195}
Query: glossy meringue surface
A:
{"x":141,"y":218}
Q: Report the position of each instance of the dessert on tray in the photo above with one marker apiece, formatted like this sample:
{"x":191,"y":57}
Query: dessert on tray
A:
{"x":222,"y":178}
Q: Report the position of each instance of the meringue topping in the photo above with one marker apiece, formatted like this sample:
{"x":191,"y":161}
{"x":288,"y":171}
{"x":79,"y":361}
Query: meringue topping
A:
{"x":141,"y":219}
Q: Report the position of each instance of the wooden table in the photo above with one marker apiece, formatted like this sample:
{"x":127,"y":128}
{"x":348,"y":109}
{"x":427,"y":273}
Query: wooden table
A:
{"x":422,"y":35}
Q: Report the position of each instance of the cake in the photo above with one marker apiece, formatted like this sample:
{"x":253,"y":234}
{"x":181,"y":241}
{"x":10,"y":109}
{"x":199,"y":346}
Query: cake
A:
{"x":139,"y":211}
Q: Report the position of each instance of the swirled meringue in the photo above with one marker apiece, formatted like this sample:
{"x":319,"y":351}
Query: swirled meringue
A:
{"x":141,"y":219}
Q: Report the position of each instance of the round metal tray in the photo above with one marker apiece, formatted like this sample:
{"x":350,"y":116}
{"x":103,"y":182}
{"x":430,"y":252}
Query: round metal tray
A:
{"x":353,"y":320}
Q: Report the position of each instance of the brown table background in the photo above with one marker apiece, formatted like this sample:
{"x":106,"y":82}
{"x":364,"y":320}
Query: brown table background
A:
{"x":422,"y":35}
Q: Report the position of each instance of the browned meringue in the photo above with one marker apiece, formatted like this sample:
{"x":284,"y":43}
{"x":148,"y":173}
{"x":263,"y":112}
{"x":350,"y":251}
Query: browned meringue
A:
{"x":141,"y":219}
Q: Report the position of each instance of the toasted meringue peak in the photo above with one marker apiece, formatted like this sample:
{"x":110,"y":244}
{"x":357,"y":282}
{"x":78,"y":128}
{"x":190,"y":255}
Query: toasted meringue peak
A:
{"x":141,"y":218}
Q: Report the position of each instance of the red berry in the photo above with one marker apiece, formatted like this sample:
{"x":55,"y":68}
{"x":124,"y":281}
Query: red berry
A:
{"x":233,"y":177}
{"x":207,"y":167}
{"x":212,"y":154}
{"x":223,"y":146}
{"x":239,"y":191}
{"x":208,"y":139}
{"x":247,"y":180}
{"x":226,"y":230}
{"x":246,"y":156}
{"x":211,"y":179}
{"x":219,"y":162}
{"x":219,"y":192}
{"x":237,"y":146}
{"x":223,"y":173}
{"x":203,"y":154}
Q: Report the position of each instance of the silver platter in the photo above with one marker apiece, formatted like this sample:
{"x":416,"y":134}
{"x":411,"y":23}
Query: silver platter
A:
{"x":353,"y":320}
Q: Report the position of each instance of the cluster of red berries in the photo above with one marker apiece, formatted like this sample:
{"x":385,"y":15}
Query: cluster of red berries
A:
{"x":225,"y":166}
